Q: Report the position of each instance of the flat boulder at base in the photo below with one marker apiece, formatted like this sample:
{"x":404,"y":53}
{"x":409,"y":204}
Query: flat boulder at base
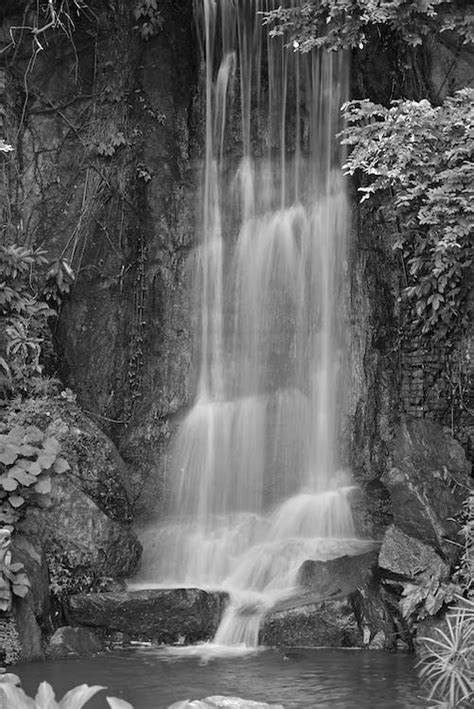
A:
{"x":168,"y":616}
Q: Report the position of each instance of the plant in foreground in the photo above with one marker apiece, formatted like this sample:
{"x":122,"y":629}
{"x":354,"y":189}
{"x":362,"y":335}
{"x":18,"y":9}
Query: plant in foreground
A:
{"x":447,"y":660}
{"x":12,"y":697}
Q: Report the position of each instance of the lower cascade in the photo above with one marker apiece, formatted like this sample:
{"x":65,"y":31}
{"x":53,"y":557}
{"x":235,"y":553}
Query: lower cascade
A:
{"x":256,"y":479}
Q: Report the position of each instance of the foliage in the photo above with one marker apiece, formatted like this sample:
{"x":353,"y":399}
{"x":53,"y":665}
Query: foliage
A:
{"x":149,"y":17}
{"x":5,"y":147}
{"x":426,"y":599}
{"x":28,"y":457}
{"x":464,"y":573}
{"x":447,"y":660}
{"x":342,"y":24}
{"x":46,"y":699}
{"x":107,"y":148}
{"x":67,"y":577}
{"x":13,"y":579}
{"x":56,"y":15}
{"x":24,"y":313}
{"x":421,"y":156}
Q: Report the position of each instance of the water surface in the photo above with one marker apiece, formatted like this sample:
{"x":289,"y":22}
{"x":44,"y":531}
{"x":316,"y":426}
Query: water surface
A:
{"x":154,"y":678}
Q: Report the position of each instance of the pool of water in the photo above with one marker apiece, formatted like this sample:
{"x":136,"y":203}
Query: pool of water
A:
{"x":154,"y":678}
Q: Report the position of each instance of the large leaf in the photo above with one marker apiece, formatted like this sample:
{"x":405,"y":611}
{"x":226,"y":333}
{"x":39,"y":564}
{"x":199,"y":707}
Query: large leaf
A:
{"x":16,"y":500}
{"x":77,"y":697}
{"x":51,"y":446}
{"x":22,"y":476}
{"x":116,"y":703}
{"x":9,"y":454}
{"x":16,"y":567}
{"x":45,"y":460}
{"x":60,"y":465}
{"x":20,"y":590}
{"x":33,"y":435}
{"x":45,"y":697}
{"x":26,"y":449}
{"x":7,"y":483}
{"x":43,"y":486}
{"x":14,"y":698}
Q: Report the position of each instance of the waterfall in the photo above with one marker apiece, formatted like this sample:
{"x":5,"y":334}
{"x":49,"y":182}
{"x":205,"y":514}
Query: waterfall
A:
{"x":256,"y":485}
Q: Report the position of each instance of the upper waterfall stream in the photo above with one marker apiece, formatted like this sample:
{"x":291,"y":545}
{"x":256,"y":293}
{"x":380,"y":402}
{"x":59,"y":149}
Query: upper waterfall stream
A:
{"x":255,"y":479}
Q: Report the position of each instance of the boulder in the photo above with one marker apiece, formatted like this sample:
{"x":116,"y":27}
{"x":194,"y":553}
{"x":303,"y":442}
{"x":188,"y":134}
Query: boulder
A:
{"x":96,"y":466}
{"x":428,"y":482}
{"x":79,"y":535}
{"x":73,"y":642}
{"x":162,"y":615}
{"x":329,"y":623}
{"x":409,"y":558}
{"x":85,"y":523}
{"x":338,"y":576}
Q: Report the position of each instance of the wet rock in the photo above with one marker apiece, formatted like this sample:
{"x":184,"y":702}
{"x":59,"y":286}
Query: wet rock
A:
{"x":161,"y":615}
{"x":408,"y":557}
{"x":427,"y":484}
{"x":329,"y":623}
{"x":219,"y":702}
{"x":338,"y":576}
{"x":376,"y":616}
{"x":73,"y":642}
{"x":29,"y":632}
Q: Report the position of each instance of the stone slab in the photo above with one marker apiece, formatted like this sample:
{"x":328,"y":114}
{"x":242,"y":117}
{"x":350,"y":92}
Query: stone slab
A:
{"x":167,"y":616}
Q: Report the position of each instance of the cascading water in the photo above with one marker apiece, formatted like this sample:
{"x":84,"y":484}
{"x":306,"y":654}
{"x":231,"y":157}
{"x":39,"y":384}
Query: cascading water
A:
{"x":254,"y":482}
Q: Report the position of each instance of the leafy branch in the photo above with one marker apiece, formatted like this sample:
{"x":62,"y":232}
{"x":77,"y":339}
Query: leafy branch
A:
{"x":344,"y":24}
{"x":420,"y":157}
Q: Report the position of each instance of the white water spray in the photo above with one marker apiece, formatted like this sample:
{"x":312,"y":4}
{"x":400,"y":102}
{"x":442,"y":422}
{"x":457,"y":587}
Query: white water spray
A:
{"x":255,"y":485}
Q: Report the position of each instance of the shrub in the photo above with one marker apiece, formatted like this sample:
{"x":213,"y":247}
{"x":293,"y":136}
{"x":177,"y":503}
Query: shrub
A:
{"x":447,"y":660}
{"x":28,"y":457}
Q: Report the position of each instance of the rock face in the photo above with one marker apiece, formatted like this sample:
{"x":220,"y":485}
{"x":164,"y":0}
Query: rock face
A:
{"x":427,"y":484}
{"x":73,"y":642}
{"x":162,"y":615}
